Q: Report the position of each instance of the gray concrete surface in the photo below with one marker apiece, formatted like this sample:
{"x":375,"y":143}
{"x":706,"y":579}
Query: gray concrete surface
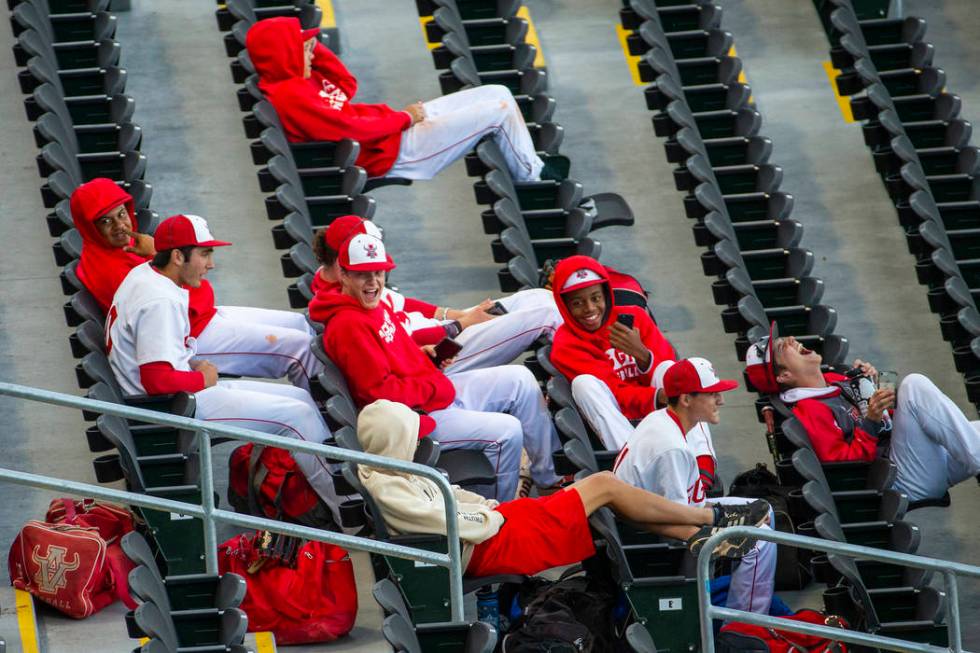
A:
{"x":199,"y":163}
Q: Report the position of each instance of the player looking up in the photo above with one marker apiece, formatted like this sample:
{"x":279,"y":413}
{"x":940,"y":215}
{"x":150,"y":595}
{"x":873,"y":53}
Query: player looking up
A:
{"x":658,"y":457}
{"x":313,"y":92}
{"x":497,"y":410}
{"x":151,"y":350}
{"x":241,"y":340}
{"x":933,"y":445}
{"x":487,"y":339}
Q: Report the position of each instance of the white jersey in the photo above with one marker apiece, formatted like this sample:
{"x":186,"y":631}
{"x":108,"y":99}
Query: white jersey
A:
{"x":657,"y":458}
{"x":411,"y":320}
{"x":147,"y":323}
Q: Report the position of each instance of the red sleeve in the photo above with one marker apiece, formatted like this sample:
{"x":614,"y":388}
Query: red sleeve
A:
{"x":573,"y":357}
{"x":160,"y":378}
{"x":351,"y":344}
{"x":413,"y":305}
{"x":706,"y":464}
{"x":301,"y":109}
{"x":330,"y":66}
{"x":429,"y":335}
{"x":828,"y":439}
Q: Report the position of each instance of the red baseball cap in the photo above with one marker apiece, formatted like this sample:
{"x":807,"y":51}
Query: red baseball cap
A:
{"x":364,"y":253}
{"x":582,"y":278}
{"x":694,"y":375}
{"x":346,"y":226}
{"x":312,"y":33}
{"x":184,"y":231}
{"x":760,"y":369}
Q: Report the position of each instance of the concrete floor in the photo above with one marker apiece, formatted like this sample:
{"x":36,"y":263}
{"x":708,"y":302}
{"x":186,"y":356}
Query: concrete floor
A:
{"x":199,"y":163}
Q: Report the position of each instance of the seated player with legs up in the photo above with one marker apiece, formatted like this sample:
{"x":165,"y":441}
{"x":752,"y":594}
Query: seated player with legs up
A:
{"x":151,"y":351}
{"x":933,"y":445}
{"x":528,"y":535}
{"x":487,"y":339}
{"x":497,"y":410}
{"x":240,"y":340}
{"x":313,"y":92}
{"x":658,"y":457}
{"x":614,"y":356}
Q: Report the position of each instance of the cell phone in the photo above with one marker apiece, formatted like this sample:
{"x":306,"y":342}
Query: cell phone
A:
{"x":446,"y":349}
{"x":626,"y":319}
{"x":497,"y":309}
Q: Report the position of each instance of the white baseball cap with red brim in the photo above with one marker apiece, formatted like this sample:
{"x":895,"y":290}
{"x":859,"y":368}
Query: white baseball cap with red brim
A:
{"x":760,"y":369}
{"x":582,"y":278}
{"x":184,"y":231}
{"x":694,"y":375}
{"x":364,"y":253}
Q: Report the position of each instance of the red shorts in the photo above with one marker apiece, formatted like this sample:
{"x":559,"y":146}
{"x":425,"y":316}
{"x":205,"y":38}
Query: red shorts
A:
{"x":539,"y":534}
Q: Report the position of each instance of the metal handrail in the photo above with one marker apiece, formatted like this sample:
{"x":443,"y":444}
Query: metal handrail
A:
{"x":948,"y":569}
{"x":209,"y":514}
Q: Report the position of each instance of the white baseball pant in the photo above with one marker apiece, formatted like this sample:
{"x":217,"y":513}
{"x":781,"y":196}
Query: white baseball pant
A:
{"x":500,"y":411}
{"x":278,"y":409}
{"x":530,"y":315}
{"x":599,"y":408}
{"x":455,"y":123}
{"x":260,"y":342}
{"x":933,"y":444}
{"x":754,"y":575}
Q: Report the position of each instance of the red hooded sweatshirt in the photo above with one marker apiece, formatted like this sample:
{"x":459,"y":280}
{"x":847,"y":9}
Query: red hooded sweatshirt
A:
{"x":377,"y":355}
{"x":576,"y":351}
{"x":320,"y":108}
{"x":103,"y":267}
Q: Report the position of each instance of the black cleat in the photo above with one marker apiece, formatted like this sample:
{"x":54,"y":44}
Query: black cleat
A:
{"x":726,"y":516}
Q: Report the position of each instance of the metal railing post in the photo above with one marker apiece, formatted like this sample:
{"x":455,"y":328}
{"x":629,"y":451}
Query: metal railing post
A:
{"x":210,"y":514}
{"x":207,"y":500}
{"x":948,"y":569}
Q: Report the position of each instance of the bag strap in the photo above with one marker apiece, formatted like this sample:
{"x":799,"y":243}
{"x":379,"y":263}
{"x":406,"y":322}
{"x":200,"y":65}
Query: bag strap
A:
{"x":71,"y":517}
{"x":257,"y":474}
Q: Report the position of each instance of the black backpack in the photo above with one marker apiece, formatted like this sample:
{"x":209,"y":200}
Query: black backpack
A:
{"x":572,"y":615}
{"x":760,"y":483}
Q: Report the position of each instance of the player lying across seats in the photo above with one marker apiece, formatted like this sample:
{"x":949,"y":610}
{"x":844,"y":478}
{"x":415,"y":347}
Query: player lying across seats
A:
{"x":527,"y":535}
{"x":240,"y":340}
{"x":615,"y":357}
{"x":659,"y":457}
{"x":933,"y":445}
{"x":313,"y":94}
{"x":497,"y":410}
{"x":151,"y":350}
{"x":486,"y":339}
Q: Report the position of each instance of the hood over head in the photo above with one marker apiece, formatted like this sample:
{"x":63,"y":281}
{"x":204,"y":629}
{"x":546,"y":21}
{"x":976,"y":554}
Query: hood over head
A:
{"x":102,"y":267}
{"x":275,"y":46}
{"x":579,"y":272}
{"x":389,"y":429}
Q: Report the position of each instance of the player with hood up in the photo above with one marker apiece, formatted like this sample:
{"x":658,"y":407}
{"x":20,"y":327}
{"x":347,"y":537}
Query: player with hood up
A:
{"x":313,"y":93}
{"x":527,"y":535}
{"x":616,"y":371}
{"x":496,"y":410}
{"x":241,"y":340}
{"x":487,"y":339}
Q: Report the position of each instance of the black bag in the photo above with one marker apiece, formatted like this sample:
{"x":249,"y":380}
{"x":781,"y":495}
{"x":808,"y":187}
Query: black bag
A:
{"x":760,"y":483}
{"x":572,"y":615}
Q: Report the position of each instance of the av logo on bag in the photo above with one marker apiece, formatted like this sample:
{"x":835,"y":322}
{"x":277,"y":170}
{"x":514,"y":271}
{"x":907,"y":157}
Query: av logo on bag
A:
{"x":53,"y":568}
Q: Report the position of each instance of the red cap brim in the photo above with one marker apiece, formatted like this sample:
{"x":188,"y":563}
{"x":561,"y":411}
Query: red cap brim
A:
{"x":310,"y":33}
{"x":724,"y":385}
{"x":579,"y":286}
{"x":385,"y":265}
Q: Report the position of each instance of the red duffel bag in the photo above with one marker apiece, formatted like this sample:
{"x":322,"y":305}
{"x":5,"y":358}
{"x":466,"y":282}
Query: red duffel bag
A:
{"x":314,"y":600}
{"x":73,"y":561}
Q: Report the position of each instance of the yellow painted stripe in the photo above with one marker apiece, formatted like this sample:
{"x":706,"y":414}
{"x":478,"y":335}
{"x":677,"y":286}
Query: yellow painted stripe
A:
{"x":632,"y":62}
{"x":423,"y":21}
{"x":742,"y":79}
{"x":265,"y":642}
{"x":532,"y":36}
{"x":843,"y":102}
{"x":26,"y":622}
{"x":326,"y":9}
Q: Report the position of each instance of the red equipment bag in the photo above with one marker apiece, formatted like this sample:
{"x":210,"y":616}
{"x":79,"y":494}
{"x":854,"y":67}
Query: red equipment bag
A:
{"x":73,"y":561}
{"x":265,"y":481}
{"x":313,"y":601}
{"x":745,"y":637}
